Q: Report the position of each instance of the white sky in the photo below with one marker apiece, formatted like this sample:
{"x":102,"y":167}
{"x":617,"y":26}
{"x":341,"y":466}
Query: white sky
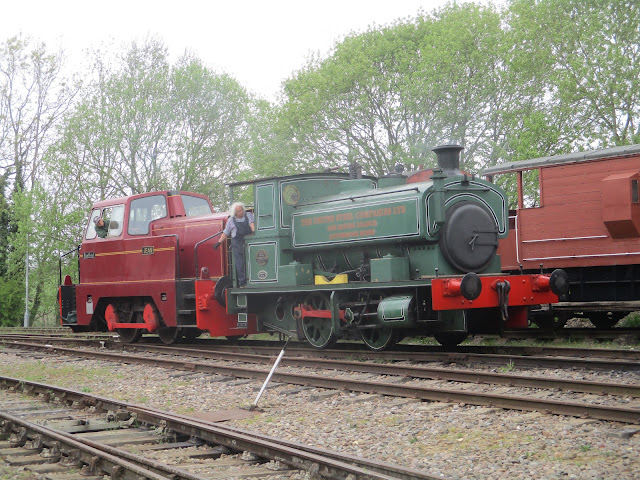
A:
{"x":260,"y":43}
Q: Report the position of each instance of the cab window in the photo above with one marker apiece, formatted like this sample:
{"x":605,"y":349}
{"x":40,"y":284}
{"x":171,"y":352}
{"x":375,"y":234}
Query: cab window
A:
{"x":195,"y":205}
{"x":113,"y":218}
{"x":91,"y":228}
{"x":143,"y":211}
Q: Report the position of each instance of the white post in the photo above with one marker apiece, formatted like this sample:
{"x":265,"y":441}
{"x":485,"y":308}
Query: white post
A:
{"x":26,"y":296}
{"x":273,"y":369}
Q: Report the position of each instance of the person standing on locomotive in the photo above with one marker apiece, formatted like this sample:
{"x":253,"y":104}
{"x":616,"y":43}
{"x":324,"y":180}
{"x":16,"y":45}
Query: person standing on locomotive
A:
{"x":240,"y":223}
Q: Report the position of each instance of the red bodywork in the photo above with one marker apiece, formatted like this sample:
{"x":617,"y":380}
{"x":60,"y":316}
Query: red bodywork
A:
{"x":157,"y":266}
{"x":587,"y":217}
{"x":524,"y":291}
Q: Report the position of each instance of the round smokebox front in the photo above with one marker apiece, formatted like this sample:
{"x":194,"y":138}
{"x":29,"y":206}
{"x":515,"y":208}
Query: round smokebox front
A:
{"x":469,"y":237}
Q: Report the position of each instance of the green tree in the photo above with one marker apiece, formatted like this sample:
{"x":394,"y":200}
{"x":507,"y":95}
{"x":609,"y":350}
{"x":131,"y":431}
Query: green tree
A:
{"x":137,"y":97}
{"x":211,"y":129}
{"x":587,"y":57}
{"x":391,"y":94}
{"x":33,"y":98}
{"x":271,"y":148}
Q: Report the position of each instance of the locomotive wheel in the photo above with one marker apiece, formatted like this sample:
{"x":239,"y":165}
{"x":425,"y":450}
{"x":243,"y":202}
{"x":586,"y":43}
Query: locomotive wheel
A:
{"x":450,"y":339}
{"x":169,"y":335}
{"x":318,"y":331}
{"x":604,"y":320}
{"x":129,"y":335}
{"x":378,"y":339}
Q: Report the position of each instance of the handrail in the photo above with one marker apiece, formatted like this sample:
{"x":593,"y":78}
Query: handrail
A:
{"x":77,"y":249}
{"x":195,"y":249}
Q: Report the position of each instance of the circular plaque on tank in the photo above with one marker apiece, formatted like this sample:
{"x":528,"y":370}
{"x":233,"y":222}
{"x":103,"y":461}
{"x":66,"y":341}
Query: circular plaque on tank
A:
{"x":469,"y":238}
{"x":291,"y":195}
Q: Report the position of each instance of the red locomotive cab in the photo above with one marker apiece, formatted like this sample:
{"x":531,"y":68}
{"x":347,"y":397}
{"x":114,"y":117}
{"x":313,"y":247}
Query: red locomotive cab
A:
{"x":139,"y":262}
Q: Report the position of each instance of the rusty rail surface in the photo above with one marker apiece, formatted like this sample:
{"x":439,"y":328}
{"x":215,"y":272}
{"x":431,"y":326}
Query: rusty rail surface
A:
{"x":345,"y":349}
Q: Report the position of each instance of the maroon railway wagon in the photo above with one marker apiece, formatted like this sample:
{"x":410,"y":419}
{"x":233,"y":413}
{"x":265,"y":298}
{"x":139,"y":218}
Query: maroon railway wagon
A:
{"x":141,"y":278}
{"x":585,"y":219}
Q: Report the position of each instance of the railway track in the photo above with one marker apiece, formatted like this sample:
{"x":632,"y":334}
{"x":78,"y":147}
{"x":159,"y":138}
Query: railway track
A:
{"x":517,"y":357}
{"x":524,"y":357}
{"x":73,"y":435}
{"x":324,"y":379}
{"x":406,"y":352}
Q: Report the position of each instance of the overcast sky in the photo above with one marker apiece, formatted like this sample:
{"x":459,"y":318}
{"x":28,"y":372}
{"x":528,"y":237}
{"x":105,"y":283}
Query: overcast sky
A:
{"x":260,"y":43}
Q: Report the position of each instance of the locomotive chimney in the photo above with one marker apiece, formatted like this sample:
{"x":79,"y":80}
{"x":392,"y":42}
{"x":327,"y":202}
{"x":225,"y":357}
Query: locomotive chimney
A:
{"x":449,"y":158}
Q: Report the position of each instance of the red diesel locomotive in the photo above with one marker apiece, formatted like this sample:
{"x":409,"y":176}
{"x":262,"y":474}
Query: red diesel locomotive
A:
{"x":585,"y":219}
{"x":142,"y":276}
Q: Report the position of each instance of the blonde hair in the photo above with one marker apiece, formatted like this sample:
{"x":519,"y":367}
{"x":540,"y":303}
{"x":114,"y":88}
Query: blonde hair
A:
{"x":232,"y":209}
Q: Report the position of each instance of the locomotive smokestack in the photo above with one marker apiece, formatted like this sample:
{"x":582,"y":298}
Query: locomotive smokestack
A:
{"x":449,"y":158}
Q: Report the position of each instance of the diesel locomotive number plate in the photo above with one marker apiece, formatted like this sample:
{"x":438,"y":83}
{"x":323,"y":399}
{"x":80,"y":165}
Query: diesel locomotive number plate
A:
{"x":88,"y":255}
{"x":147,"y":250}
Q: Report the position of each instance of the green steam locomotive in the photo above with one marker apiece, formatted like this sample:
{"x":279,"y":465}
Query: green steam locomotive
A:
{"x":377,"y":259}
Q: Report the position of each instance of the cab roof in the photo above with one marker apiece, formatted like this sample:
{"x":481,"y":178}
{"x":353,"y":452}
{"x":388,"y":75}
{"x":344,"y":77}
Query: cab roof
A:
{"x":121,"y":200}
{"x":336,"y":175}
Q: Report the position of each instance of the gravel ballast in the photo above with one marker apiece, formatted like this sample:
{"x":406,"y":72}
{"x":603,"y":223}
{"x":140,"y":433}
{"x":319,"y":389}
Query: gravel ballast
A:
{"x":452,"y":440}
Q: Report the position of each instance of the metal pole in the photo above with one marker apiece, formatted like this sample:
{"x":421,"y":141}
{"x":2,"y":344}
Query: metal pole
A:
{"x":273,"y":369}
{"x":26,"y":296}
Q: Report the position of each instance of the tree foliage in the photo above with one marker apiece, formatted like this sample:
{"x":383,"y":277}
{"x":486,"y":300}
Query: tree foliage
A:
{"x":145,"y":125}
{"x":586,"y":58}
{"x":389,"y":95}
{"x":34,"y":96}
{"x":211,"y":129}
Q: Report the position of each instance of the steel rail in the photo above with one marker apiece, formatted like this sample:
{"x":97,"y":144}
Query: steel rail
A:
{"x":499,"y":360}
{"x":527,"y":356}
{"x":332,"y":464}
{"x":353,"y":349}
{"x":409,"y":371}
{"x":576,"y":409}
{"x":435,"y":373}
{"x":629,"y":363}
{"x":540,"y":333}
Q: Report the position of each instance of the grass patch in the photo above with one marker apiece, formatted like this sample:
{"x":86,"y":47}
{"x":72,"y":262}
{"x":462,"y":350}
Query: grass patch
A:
{"x":63,"y":375}
{"x":13,"y":473}
{"x":509,"y":368}
{"x":630,"y":321}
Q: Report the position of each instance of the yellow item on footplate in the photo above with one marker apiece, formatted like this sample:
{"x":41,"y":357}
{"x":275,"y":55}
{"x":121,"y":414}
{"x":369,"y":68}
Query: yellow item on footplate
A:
{"x":322,"y":280}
